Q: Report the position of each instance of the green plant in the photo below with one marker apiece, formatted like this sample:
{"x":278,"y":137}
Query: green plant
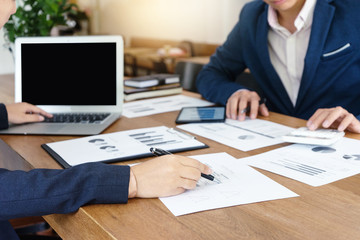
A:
{"x":37,"y":18}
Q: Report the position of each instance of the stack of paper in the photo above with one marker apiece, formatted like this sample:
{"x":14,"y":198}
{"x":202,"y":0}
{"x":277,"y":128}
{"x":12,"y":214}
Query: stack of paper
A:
{"x":245,"y":136}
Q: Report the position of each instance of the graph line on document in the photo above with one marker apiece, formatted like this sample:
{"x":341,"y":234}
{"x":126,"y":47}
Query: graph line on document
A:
{"x":252,"y":131}
{"x":214,"y":132}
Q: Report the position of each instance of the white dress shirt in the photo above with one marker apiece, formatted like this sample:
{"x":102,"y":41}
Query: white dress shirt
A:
{"x":287,"y":50}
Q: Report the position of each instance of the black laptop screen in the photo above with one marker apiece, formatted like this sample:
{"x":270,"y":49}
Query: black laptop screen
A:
{"x":69,"y":73}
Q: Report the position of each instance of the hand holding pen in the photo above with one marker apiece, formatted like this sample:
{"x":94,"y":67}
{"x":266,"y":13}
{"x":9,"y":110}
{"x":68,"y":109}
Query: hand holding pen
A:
{"x":245,"y":101}
{"x":165,"y":176}
{"x":248,"y":108}
{"x":161,"y":152}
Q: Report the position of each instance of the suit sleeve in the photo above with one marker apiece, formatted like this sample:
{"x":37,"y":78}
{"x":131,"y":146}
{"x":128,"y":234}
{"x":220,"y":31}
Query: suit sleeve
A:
{"x":3,"y":117}
{"x":216,"y":81}
{"x":45,"y":191}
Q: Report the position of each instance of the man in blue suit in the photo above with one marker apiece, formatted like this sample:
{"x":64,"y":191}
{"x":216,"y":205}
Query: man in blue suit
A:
{"x":304,"y":55}
{"x":38,"y":191}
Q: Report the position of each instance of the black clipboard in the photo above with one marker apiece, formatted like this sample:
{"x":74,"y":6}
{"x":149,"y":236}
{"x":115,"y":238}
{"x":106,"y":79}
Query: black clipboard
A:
{"x":65,"y":164}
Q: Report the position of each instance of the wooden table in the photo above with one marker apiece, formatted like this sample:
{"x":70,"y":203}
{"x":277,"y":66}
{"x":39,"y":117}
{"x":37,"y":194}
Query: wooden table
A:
{"x":328,"y":212}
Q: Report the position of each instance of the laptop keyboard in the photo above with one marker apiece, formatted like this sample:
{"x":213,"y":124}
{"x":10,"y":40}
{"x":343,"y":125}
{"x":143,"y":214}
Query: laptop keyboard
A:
{"x":95,"y":118}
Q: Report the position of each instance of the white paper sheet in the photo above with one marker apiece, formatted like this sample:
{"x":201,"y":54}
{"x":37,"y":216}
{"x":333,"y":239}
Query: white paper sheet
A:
{"x":161,"y":105}
{"x":310,"y":164}
{"x":245,"y":136}
{"x":122,"y":144}
{"x":237,"y":184}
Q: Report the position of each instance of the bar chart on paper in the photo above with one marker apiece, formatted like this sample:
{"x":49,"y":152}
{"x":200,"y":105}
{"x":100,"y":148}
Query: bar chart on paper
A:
{"x":311,"y":164}
{"x":161,"y":138}
{"x":123,"y":145}
{"x":300,"y":167}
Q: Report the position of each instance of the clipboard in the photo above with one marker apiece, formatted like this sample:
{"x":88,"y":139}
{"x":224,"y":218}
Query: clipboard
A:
{"x":121,"y":146}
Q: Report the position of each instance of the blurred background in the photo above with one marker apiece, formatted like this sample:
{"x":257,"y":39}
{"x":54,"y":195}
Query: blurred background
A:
{"x":176,"y":21}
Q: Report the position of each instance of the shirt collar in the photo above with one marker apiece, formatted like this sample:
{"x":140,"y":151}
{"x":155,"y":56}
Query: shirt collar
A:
{"x":304,"y":19}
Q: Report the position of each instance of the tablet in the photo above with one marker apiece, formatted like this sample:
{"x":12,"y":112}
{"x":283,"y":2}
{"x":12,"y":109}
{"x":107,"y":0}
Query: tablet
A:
{"x":201,"y":114}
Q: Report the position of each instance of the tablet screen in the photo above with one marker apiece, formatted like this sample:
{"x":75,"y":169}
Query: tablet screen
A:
{"x":201,"y":114}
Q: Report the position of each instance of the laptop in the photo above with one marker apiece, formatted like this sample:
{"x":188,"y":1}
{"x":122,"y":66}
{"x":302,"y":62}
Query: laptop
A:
{"x":79,"y":79}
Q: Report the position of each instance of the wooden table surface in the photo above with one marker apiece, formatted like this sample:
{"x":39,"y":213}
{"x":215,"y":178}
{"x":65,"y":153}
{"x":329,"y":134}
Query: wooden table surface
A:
{"x":327,"y":212}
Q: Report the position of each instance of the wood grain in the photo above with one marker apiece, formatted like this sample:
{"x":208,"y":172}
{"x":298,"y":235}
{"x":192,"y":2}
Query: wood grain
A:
{"x":327,"y":212}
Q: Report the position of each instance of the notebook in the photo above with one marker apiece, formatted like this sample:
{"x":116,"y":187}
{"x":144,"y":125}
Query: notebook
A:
{"x":77,"y":78}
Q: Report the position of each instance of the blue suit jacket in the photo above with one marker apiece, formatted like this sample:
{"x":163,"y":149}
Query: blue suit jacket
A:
{"x":328,"y":80}
{"x":43,"y":191}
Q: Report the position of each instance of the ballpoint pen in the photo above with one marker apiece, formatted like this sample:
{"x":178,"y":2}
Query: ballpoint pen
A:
{"x":161,"y":152}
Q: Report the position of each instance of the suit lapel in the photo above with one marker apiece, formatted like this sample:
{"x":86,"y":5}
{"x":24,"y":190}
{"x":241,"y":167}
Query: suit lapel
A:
{"x":275,"y":82}
{"x":323,"y":15}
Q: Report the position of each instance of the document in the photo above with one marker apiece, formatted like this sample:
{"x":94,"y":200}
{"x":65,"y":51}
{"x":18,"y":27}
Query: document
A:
{"x":120,"y":146}
{"x":245,"y":136}
{"x":160,"y":105}
{"x":311,"y":164}
{"x":235,"y":184}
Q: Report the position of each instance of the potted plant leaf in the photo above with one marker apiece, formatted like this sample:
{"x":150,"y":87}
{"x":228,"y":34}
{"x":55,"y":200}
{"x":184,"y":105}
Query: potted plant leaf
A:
{"x":38,"y":18}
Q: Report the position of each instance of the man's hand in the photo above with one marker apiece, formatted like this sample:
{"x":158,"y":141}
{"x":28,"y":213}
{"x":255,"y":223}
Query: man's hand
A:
{"x":25,"y":112}
{"x":165,"y":176}
{"x":334,"y":118}
{"x":238,"y":102}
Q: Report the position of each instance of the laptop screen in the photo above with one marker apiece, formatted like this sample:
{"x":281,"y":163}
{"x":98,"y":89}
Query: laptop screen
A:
{"x":69,"y":73}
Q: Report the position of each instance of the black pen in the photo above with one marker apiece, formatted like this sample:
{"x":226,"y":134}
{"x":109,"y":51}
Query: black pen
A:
{"x":247,"y":109}
{"x":160,"y":152}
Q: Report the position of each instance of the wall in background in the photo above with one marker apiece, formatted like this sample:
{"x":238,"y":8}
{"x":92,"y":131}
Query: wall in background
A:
{"x":195,"y":20}
{"x":6,"y":59}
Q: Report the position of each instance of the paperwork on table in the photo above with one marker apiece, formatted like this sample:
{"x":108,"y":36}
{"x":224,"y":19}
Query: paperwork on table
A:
{"x":120,"y":146}
{"x":245,"y":136}
{"x":235,"y":183}
{"x":311,"y":164}
{"x":161,"y":105}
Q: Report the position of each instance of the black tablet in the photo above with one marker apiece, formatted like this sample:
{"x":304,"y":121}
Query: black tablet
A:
{"x":201,"y":114}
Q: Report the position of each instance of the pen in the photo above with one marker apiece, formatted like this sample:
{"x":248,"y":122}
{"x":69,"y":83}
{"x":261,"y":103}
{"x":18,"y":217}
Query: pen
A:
{"x":160,"y":152}
{"x":247,"y":109}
